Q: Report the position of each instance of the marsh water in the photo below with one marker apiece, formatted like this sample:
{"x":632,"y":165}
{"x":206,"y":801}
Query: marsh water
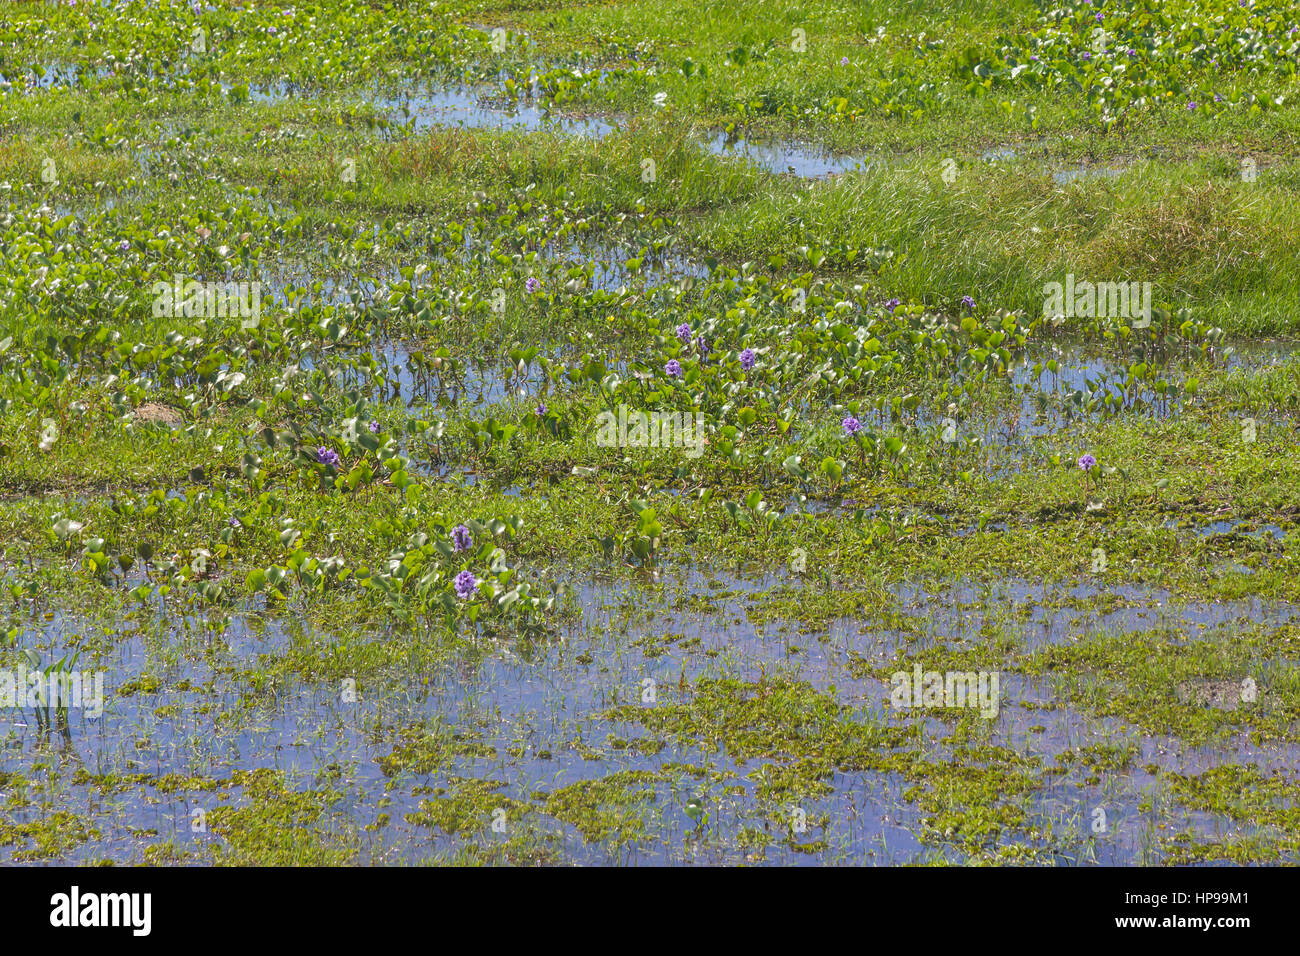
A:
{"x":538,"y":716}
{"x":412,"y":762}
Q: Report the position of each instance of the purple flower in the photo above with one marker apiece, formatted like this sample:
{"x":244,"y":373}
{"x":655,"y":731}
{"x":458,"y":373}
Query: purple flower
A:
{"x":700,"y":344}
{"x":327,"y":456}
{"x":1034,"y":58}
{"x":124,"y":245}
{"x":673,"y":368}
{"x":1132,"y":52}
{"x":533,"y":284}
{"x":844,"y":61}
{"x":1099,"y":18}
{"x":541,"y":409}
{"x":892,"y":304}
{"x":1086,"y":55}
{"x":235,"y":522}
{"x":461,"y":539}
{"x":1218,"y":98}
{"x":271,"y":30}
{"x":852,"y":425}
{"x":747,"y":359}
{"x":466,"y":585}
{"x":684,"y":332}
{"x":968,"y":302}
{"x":1087,"y":462}
{"x":374,"y":428}
{"x":1191,"y":105}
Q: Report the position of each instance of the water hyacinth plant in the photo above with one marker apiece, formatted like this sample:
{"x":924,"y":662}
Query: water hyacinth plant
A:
{"x":466,"y":585}
{"x":461,"y":539}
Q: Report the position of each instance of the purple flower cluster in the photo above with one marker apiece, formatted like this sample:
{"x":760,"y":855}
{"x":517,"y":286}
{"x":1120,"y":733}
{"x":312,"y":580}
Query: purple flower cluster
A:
{"x":684,"y":332}
{"x":674,"y":368}
{"x":747,"y":359}
{"x":327,"y":456}
{"x":461,"y":539}
{"x":1087,"y":462}
{"x":852,"y":425}
{"x":466,"y":584}
{"x":533,"y":284}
